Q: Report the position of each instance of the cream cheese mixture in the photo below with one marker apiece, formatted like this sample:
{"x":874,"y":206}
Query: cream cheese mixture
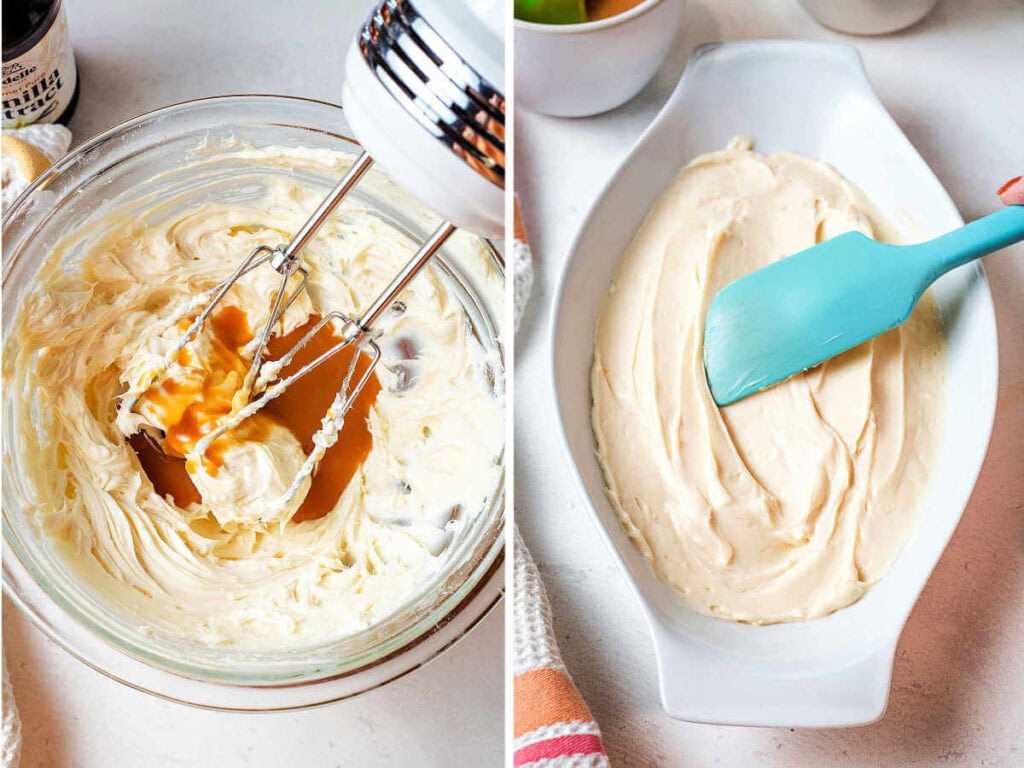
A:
{"x":197,"y":554}
{"x":791,"y":503}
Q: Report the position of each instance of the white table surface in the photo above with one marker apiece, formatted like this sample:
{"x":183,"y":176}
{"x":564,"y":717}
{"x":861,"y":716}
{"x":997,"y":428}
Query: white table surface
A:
{"x":955,"y":84}
{"x":135,"y":56}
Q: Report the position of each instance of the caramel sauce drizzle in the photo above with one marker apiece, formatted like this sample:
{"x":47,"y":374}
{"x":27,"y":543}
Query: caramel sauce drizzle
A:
{"x":191,"y":405}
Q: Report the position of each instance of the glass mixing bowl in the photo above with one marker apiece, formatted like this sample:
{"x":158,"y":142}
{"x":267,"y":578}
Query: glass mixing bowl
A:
{"x":139,"y":163}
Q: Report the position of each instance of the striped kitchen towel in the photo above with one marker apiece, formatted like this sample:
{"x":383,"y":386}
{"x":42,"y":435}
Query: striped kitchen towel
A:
{"x":553,"y":725}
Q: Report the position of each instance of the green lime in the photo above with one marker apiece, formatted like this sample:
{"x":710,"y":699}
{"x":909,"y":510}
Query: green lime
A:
{"x":552,"y":11}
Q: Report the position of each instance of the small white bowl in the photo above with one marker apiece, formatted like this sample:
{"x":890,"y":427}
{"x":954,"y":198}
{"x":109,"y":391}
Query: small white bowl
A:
{"x":813,"y":99}
{"x":868,"y":17}
{"x":576,"y":70}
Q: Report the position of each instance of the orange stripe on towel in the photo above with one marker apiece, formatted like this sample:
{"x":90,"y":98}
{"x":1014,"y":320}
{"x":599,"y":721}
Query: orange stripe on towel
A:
{"x":545,"y":697}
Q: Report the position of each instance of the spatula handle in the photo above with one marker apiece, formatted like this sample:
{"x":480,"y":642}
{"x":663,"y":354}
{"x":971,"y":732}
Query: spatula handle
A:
{"x":972,"y":241}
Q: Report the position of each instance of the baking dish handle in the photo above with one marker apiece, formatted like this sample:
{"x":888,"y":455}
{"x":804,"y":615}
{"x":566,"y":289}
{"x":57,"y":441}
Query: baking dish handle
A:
{"x":700,"y":683}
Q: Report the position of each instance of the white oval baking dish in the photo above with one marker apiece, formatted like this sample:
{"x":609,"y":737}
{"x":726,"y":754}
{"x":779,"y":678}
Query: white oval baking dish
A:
{"x":813,"y":99}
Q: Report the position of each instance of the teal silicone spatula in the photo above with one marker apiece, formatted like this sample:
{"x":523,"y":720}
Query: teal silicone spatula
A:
{"x":791,"y":315}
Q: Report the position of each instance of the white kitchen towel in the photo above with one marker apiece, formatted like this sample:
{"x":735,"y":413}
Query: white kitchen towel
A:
{"x":522,"y":278}
{"x":21,"y":164}
{"x":553,"y":726}
{"x":11,"y":725}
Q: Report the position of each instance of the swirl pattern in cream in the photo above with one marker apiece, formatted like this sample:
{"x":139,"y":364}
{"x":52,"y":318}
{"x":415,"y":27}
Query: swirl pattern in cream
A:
{"x":216,"y":572}
{"x":790,"y":504}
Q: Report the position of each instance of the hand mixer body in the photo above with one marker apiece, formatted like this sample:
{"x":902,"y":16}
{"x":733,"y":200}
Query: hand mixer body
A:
{"x":433,"y":121}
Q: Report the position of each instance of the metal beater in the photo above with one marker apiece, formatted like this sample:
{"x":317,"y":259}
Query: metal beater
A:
{"x":439,"y":91}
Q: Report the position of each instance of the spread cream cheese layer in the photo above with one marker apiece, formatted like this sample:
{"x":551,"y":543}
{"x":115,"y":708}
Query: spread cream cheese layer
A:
{"x":100,"y":313}
{"x":791,"y":503}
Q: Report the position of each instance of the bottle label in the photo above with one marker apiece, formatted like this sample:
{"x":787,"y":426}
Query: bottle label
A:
{"x":39,"y":84}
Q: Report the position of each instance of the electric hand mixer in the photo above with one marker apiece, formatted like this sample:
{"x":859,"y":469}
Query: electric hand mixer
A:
{"x":434,"y":120}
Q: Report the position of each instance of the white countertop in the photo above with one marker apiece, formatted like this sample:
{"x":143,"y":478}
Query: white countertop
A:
{"x":954,"y":84}
{"x":133,"y":57}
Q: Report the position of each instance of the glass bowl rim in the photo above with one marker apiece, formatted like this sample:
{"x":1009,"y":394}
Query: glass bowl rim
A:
{"x":487,"y":574}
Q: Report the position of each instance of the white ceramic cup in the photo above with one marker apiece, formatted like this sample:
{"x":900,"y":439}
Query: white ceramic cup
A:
{"x":575,"y":70}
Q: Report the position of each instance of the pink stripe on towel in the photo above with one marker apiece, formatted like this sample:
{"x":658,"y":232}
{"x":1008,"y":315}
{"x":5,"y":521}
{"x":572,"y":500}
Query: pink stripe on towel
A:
{"x":561,"y":746}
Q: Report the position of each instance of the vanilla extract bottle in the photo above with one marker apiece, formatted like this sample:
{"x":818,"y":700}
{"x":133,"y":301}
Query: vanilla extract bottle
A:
{"x":40,"y":78}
